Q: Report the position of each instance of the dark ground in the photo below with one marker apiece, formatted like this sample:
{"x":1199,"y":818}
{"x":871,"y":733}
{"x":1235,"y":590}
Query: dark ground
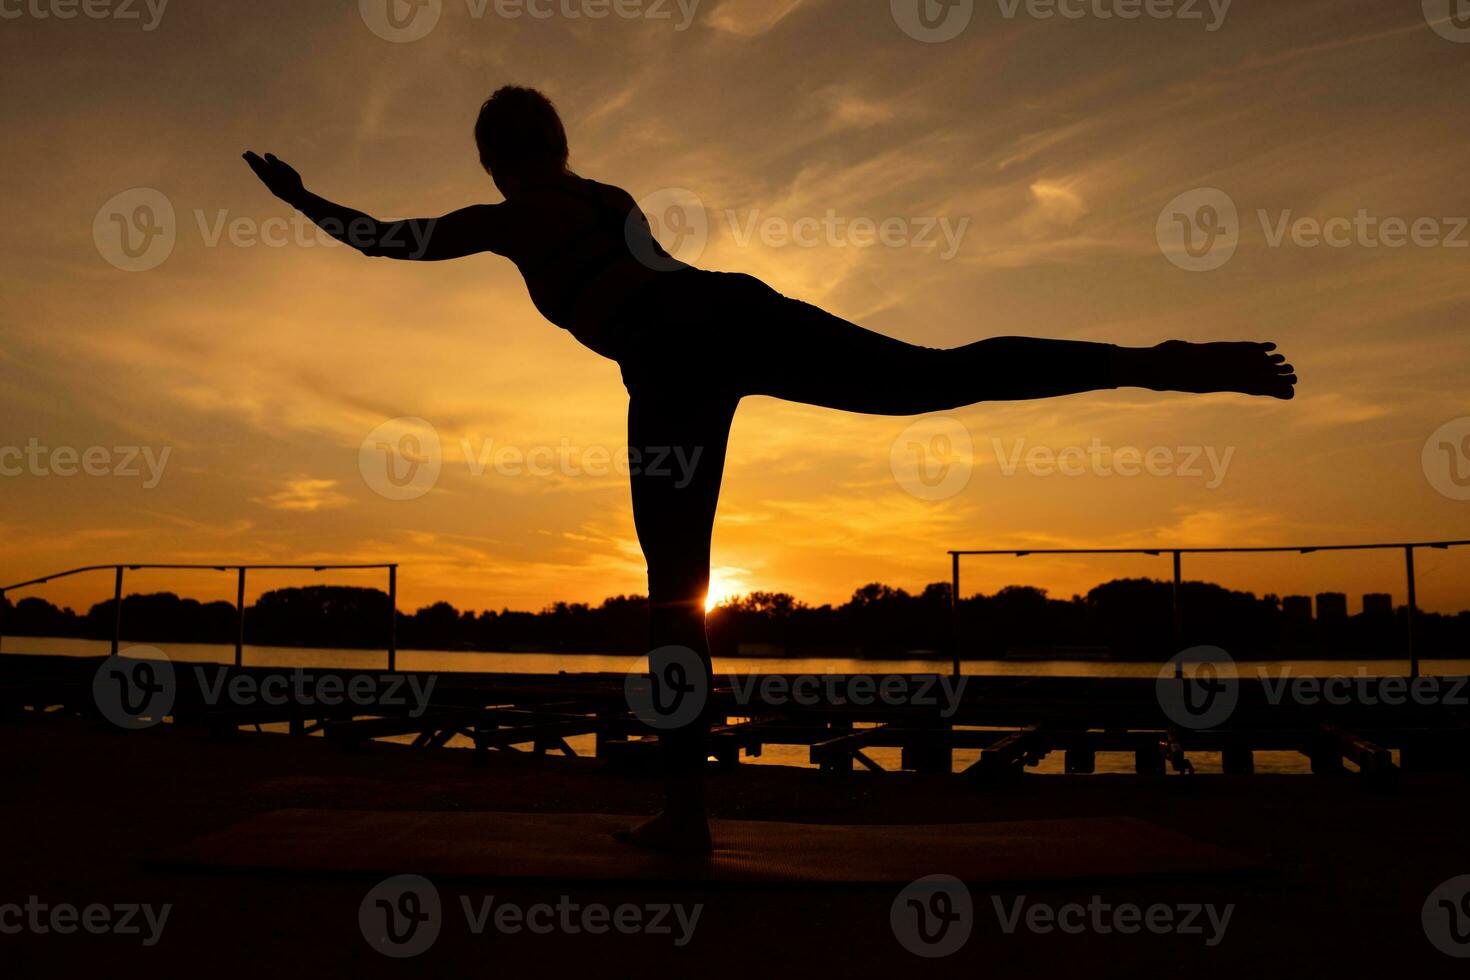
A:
{"x":83,"y":804}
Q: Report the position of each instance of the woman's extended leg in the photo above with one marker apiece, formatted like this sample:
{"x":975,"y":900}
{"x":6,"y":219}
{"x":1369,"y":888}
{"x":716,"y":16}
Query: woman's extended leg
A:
{"x":677,"y":435}
{"x":799,"y":352}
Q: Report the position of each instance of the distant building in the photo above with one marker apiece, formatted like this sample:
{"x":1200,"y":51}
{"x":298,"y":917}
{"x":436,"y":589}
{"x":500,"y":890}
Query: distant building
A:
{"x":1331,"y":607}
{"x":1378,"y":604}
{"x":1297,"y":608}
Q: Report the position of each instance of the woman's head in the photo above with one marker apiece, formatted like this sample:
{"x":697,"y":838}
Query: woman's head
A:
{"x":520,"y":135}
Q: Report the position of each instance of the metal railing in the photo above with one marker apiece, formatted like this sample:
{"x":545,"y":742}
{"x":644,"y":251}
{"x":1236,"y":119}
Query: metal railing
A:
{"x":1407,"y":548}
{"x":240,"y":570}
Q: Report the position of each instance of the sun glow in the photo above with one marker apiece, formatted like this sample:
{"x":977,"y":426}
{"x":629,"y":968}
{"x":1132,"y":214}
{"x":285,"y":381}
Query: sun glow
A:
{"x":725,"y":584}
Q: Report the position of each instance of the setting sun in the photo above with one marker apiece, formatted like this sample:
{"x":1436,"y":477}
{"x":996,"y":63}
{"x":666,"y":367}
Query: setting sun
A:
{"x":725,"y":584}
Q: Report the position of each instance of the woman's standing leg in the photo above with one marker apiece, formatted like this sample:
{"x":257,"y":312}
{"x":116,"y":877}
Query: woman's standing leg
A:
{"x":677,"y":436}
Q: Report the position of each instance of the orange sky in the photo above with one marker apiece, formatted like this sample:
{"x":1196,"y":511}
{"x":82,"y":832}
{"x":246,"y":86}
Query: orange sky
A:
{"x":1054,"y":144}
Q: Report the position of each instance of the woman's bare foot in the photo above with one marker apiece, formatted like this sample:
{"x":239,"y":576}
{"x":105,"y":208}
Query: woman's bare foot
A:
{"x":673,"y":832}
{"x":1249,"y":368}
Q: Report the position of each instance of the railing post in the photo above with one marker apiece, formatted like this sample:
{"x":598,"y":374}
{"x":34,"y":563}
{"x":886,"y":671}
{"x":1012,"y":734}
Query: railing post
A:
{"x":1412,"y":611}
{"x":240,"y":618}
{"x":1178,"y":617}
{"x":392,"y":617}
{"x":117,"y":610}
{"x":954,"y":610}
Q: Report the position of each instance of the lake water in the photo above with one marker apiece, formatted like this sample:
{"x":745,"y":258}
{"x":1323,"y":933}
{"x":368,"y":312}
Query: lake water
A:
{"x":551,"y":663}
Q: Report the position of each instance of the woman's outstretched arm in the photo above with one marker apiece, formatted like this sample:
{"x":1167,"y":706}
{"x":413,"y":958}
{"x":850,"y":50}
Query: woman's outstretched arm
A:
{"x":467,"y":231}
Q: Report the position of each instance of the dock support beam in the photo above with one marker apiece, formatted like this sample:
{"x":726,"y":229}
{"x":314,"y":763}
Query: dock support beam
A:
{"x":1178,"y":616}
{"x":954,"y":610}
{"x":117,"y":610}
{"x":392,"y":617}
{"x":1410,"y":613}
{"x":1238,"y":760}
{"x":240,"y":618}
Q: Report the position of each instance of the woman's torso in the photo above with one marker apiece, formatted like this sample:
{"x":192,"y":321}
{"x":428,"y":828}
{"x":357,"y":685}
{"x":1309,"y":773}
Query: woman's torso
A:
{"x":586,"y":251}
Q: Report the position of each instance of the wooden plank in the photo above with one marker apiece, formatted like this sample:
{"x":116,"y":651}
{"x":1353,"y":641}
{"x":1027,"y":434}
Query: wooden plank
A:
{"x":532,"y":733}
{"x":1009,"y":755}
{"x":1372,"y":760}
{"x":837,"y":748}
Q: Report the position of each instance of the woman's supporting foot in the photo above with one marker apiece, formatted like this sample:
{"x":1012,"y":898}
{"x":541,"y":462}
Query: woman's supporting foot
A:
{"x":1249,"y":368}
{"x":671,"y":832}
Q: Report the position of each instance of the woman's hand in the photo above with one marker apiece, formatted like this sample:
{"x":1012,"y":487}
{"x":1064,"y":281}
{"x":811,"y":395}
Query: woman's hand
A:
{"x":279,"y":177}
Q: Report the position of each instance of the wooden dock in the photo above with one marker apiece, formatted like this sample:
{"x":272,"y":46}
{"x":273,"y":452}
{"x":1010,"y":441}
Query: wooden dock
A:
{"x":1015,"y":722}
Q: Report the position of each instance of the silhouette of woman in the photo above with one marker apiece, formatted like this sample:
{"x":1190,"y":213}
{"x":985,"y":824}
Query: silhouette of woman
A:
{"x":691,"y":343}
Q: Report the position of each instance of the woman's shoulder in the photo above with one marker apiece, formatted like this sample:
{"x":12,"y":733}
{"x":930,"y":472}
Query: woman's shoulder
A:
{"x":606,"y":193}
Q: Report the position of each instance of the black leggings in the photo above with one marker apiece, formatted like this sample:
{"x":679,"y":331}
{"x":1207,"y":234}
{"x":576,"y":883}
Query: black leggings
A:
{"x":691,"y":346}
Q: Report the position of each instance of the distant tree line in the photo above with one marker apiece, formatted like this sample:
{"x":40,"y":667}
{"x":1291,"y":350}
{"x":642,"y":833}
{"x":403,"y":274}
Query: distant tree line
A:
{"x":1125,"y":619}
